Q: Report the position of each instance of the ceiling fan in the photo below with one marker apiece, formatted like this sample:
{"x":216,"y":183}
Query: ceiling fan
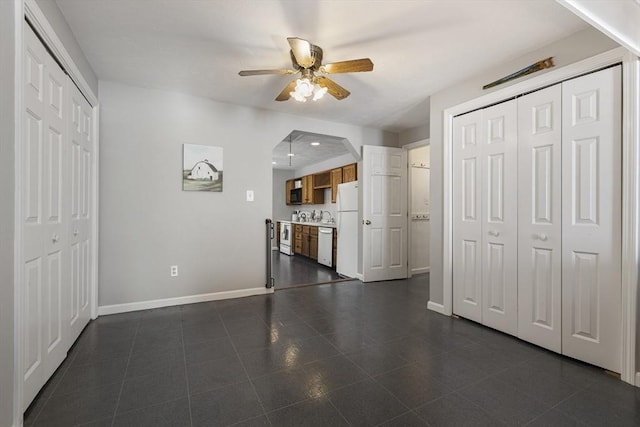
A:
{"x":307,"y":60}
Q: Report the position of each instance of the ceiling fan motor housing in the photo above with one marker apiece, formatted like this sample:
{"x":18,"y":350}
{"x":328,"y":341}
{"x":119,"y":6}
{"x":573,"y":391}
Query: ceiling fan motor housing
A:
{"x":316,"y":55}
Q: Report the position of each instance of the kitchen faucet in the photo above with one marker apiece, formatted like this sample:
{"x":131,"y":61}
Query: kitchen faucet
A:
{"x":330,"y":216}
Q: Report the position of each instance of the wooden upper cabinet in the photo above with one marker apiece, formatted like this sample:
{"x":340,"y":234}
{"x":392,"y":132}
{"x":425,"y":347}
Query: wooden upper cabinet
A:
{"x":350,"y":172}
{"x":322,"y":180}
{"x":336,"y":178}
{"x":288,"y":187}
{"x":311,"y":195}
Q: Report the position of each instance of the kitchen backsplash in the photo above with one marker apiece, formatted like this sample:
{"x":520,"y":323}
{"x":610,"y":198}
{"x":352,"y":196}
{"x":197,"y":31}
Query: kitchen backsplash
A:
{"x":330,"y":207}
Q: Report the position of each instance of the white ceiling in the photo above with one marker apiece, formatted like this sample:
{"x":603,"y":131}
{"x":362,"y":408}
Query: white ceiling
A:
{"x":418,"y":47}
{"x":299,"y":143}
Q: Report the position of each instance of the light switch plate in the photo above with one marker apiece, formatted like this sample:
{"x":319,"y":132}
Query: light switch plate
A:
{"x":249,"y":195}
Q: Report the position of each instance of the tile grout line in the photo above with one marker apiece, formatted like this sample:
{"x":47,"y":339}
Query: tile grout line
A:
{"x":186,"y":370}
{"x":64,"y":373}
{"x":253,"y":387}
{"x":133,"y":343}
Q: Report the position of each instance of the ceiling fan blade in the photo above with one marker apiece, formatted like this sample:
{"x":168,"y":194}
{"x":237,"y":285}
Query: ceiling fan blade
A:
{"x":302,"y":51}
{"x":284,"y":95}
{"x":262,"y":72}
{"x":352,"y":66}
{"x":333,"y":88}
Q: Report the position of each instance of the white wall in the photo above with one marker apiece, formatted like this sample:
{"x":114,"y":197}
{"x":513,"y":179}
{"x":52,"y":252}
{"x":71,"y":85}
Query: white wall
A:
{"x":578,"y":46}
{"x":54,"y":16}
{"x":7,"y":149}
{"x":147,"y":222}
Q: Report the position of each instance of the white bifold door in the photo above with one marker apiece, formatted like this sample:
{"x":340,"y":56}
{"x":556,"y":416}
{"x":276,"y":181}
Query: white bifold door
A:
{"x":45,"y":256}
{"x":485,"y":216}
{"x":55,"y":256}
{"x":537,"y":217}
{"x":592,"y":218}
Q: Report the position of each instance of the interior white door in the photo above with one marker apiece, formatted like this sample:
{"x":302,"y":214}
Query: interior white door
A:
{"x":499,"y":217}
{"x":384,"y":199}
{"x":44,"y":230}
{"x":80,"y":215}
{"x":591,"y":218}
{"x":467,"y":215}
{"x":539,"y":218}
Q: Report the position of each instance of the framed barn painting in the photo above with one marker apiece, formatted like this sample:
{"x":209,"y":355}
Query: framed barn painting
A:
{"x":201,"y":168}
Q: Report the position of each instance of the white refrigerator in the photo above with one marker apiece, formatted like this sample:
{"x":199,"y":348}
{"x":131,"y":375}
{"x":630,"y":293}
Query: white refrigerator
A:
{"x":347,"y":229}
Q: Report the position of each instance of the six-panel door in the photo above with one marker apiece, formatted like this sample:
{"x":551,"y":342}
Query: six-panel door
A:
{"x":565,"y":287}
{"x":539,"y":220}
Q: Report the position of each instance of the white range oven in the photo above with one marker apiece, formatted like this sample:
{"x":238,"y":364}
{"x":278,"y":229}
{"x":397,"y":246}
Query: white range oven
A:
{"x":286,"y":238}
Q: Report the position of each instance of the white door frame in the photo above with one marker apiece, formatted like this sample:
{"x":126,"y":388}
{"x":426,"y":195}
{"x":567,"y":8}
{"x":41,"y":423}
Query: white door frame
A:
{"x":630,"y":183}
{"x":29,"y":9}
{"x":407,"y":148}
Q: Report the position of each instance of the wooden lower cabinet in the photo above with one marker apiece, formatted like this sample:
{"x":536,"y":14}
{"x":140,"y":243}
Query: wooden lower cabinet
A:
{"x":278,"y":234}
{"x":313,"y":243}
{"x":297,"y":239}
{"x":305,"y":240}
{"x":334,"y":254}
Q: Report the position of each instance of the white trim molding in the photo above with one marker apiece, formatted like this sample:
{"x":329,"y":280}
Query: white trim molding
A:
{"x":168,"y":302}
{"x":17,"y":242}
{"x":630,"y":183}
{"x":41,"y":26}
{"x":619,"y":21}
{"x":434,"y":306}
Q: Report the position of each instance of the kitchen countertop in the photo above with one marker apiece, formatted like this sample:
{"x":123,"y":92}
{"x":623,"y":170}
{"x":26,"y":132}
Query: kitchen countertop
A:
{"x":312,"y":223}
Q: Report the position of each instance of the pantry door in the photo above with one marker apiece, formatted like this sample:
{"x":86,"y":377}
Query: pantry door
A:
{"x":499,"y":217}
{"x":467,"y":215}
{"x":45,"y":256}
{"x":384,"y":211}
{"x":539,"y":218}
{"x":591,"y":218}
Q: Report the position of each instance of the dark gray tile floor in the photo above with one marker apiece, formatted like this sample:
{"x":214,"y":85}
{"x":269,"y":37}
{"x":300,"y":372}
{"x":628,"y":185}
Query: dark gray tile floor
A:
{"x":344,"y":354}
{"x":290,"y":271}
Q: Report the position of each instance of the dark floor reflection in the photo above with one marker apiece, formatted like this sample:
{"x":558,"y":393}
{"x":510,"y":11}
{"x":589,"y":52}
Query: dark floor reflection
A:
{"x":291,"y":271}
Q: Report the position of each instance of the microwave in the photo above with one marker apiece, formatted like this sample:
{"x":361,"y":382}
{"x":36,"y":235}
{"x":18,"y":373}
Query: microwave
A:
{"x":295,"y":196}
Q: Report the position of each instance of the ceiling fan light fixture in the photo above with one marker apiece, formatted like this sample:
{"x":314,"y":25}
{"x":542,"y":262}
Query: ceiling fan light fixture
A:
{"x":318,"y":91}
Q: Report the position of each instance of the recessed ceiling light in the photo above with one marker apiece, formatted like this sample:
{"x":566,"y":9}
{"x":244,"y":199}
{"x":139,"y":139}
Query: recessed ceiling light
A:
{"x":315,"y":143}
{"x":290,"y":154}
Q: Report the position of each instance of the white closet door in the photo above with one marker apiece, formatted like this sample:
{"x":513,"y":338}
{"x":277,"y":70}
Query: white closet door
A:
{"x":81,"y":154}
{"x":467,"y":215}
{"x":539,"y":218}
{"x":45,"y":244}
{"x":499,"y":217}
{"x":591,"y":218}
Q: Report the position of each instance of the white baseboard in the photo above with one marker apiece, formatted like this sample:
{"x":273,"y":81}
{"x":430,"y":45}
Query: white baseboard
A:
{"x":420,"y":270}
{"x":434,"y":306}
{"x":359,"y":276}
{"x":274,"y":248}
{"x":637,"y":379}
{"x":167,"y":302}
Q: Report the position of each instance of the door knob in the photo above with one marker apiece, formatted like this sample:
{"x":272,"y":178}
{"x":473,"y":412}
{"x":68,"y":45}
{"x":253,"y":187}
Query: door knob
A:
{"x":494,"y":233}
{"x":55,"y":238}
{"x":366,"y":222}
{"x":542,"y":237}
{"x":75,"y":232}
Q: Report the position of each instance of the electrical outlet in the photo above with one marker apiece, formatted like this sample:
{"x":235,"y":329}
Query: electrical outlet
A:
{"x":249,"y":195}
{"x":174,"y":271}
